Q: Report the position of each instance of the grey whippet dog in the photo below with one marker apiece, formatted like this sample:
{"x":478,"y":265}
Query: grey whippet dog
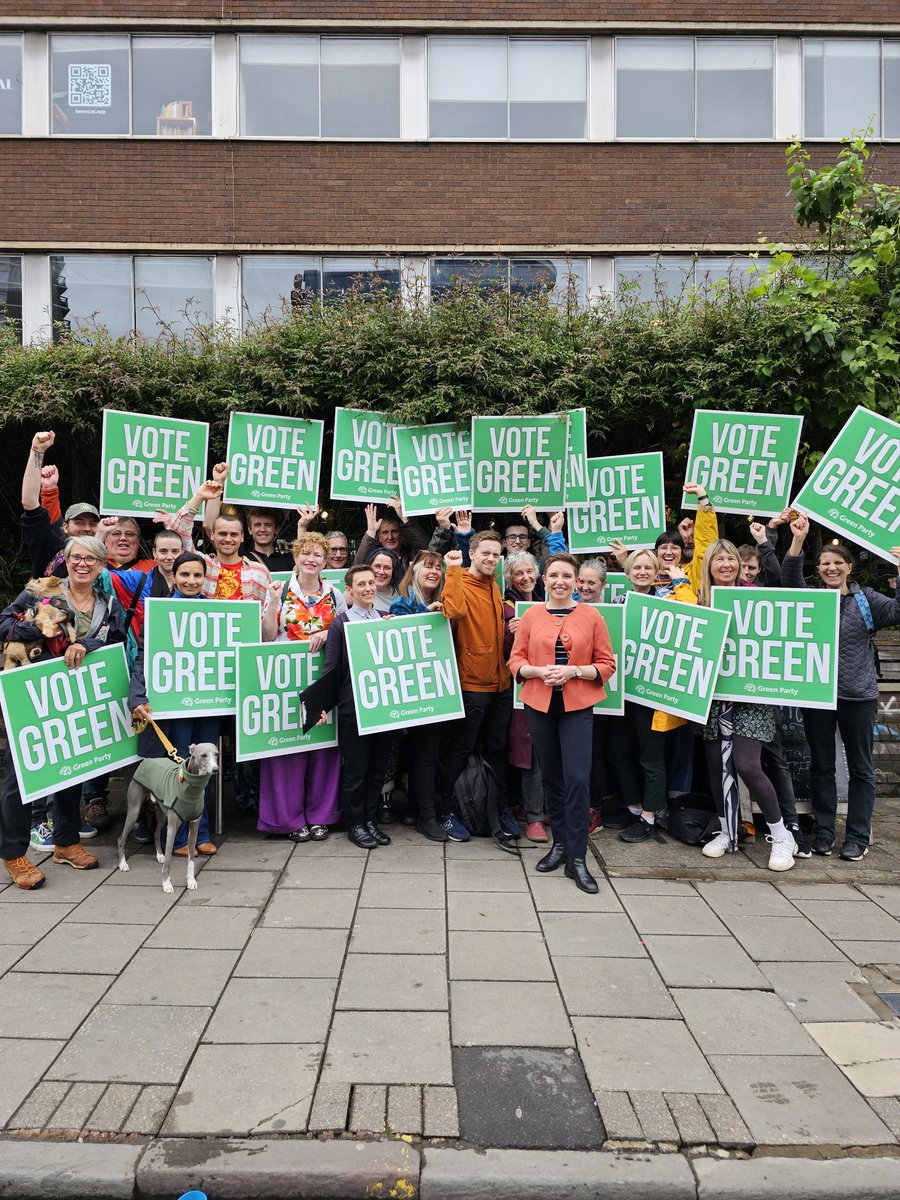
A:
{"x":177,"y":789}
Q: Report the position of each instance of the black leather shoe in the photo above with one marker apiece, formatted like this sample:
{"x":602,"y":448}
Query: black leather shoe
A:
{"x":584,"y":880}
{"x":555,"y":857}
{"x":433,"y":829}
{"x":386,"y":814}
{"x":381,"y":839}
{"x":359,"y":835}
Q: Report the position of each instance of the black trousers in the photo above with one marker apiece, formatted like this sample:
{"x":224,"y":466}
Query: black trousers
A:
{"x":638,"y":753}
{"x":15,"y":817}
{"x":364,"y":760}
{"x":855,"y":721}
{"x":420,"y":751}
{"x":563,"y":748}
{"x":486,"y":723}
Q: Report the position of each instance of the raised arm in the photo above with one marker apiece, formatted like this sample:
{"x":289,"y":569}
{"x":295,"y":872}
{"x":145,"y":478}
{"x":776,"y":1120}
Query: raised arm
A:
{"x":31,"y":479}
{"x":213,"y":505}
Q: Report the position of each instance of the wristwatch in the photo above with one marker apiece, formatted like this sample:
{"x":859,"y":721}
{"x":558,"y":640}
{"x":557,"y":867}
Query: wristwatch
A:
{"x":578,"y":672}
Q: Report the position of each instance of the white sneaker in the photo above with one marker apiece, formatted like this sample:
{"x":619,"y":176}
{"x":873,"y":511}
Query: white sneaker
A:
{"x":719,"y":846}
{"x":782,"y":854}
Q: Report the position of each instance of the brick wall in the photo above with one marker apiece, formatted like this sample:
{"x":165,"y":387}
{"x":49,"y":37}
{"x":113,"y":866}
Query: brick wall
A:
{"x":395,"y":195}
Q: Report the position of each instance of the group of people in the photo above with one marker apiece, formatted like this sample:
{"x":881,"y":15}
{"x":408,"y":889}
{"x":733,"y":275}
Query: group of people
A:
{"x":554,"y":758}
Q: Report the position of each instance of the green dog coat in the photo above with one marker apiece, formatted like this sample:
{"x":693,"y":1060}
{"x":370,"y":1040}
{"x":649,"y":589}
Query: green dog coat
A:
{"x":173,"y":787}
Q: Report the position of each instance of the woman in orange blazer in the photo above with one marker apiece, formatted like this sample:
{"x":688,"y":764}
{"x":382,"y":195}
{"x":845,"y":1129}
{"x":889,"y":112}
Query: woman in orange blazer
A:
{"x":562,"y":656}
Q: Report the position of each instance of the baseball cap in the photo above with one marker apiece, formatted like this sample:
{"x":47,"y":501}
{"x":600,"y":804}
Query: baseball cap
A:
{"x":81,"y":510}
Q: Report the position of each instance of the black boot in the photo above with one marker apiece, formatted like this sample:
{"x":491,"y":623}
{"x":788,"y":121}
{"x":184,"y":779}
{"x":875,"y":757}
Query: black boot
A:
{"x":381,"y":839}
{"x":584,"y":880}
{"x":555,"y":857}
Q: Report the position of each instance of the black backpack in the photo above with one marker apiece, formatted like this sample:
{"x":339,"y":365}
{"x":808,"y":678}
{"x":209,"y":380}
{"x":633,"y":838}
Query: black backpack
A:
{"x":689,"y":822}
{"x":475,"y":793}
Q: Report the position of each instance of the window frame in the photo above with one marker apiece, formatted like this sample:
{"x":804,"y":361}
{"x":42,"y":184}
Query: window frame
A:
{"x":879,"y":136}
{"x":692,"y":282}
{"x":320,"y":257}
{"x":22,"y":309}
{"x":509,"y":259}
{"x":20,"y":34}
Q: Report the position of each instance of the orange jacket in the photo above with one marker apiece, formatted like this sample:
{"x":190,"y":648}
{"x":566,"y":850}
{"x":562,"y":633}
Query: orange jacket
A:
{"x":474,"y":605}
{"x":586,"y":639}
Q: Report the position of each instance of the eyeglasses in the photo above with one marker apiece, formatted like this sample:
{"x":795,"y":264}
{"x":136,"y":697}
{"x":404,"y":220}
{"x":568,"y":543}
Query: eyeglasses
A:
{"x":86,"y":560}
{"x":517,"y":537}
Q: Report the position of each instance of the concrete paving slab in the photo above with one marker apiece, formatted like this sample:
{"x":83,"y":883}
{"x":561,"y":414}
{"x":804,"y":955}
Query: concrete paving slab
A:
{"x":28,"y":925}
{"x":398,"y":931}
{"x":10,"y":955}
{"x":555,"y":893}
{"x":867,"y":1053}
{"x":478,"y":848}
{"x":801,"y":890}
{"x":304,"y":871}
{"x":703,"y":962}
{"x":80,"y":1101}
{"x":63,"y":886}
{"x":402,"y":891}
{"x":619,"y":1118}
{"x":863,"y":921}
{"x":38,"y":1109}
{"x":800,"y":1178}
{"x":798,"y":1101}
{"x":728,"y":1128}
{"x":150,"y":1109}
{"x":404,"y":1110}
{"x":602,"y":935}
{"x":418,"y":858}
{"x":476,"y":955}
{"x":468,"y":875}
{"x":819,"y":991}
{"x":192,"y":977}
{"x":651,"y":887}
{"x":236,"y":1169}
{"x":293,"y":954}
{"x":113,"y":1107}
{"x":368,"y":1109}
{"x":36,"y":1005}
{"x":656,"y":1121}
{"x":440,"y":1112}
{"x":310,"y":908}
{"x":714,"y":1014}
{"x":530,"y":1098}
{"x":694,"y":1128}
{"x":273,"y":1010}
{"x":236,"y":889}
{"x":266,"y":1093}
{"x":636,"y":1055}
{"x":732,"y":898}
{"x":145,"y":871}
{"x":866,"y":954}
{"x":331,"y":1104}
{"x":39,"y":1170}
{"x":613,"y":987}
{"x":213,"y":928}
{"x":132,"y":1043}
{"x":391,"y":1047}
{"x":125,"y":906}
{"x":407,"y":982}
{"x":673,"y":914}
{"x":491,"y":911}
{"x":22,"y":1064}
{"x":81,"y":950}
{"x":482,"y":1012}
{"x":782,"y":939}
{"x":253,"y":854}
{"x":536,"y":1174}
{"x":885,"y":897}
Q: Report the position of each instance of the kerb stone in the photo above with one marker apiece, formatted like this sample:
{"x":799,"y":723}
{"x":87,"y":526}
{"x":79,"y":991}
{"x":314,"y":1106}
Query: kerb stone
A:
{"x":60,"y":1170}
{"x":796,"y":1178}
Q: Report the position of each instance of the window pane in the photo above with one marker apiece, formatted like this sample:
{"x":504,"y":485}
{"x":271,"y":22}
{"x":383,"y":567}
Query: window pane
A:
{"x":489,"y":274}
{"x":565,"y":278}
{"x":92,"y":290}
{"x":841,"y":83}
{"x":10,"y":290}
{"x":738,"y":269}
{"x":655,"y":87}
{"x":361,"y":87}
{"x":650,"y":279}
{"x":89,"y":85}
{"x":10,"y":84}
{"x":362,"y":276}
{"x":172,"y":293}
{"x":547,"y":89}
{"x":892,"y":89}
{"x":734,"y":88}
{"x":467,"y":87}
{"x":280,"y":86}
{"x":172,"y":86}
{"x":271,"y":286}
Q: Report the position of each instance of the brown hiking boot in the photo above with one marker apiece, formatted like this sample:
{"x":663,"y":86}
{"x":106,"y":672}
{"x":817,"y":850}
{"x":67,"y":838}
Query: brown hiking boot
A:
{"x":24,"y":873}
{"x":76,"y":856}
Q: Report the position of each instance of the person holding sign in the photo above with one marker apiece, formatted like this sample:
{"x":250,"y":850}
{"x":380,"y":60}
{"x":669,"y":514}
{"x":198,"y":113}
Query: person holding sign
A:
{"x":96,"y":620}
{"x":392,"y":532}
{"x":562,"y":655}
{"x":43,"y":539}
{"x":733,"y":739}
{"x":670,"y":546}
{"x":298,"y":793}
{"x":863,"y":612}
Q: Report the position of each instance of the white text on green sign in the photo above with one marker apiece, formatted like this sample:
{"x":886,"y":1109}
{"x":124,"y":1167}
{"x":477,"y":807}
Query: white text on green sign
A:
{"x":743,"y":461}
{"x":274,"y":461}
{"x":363,"y":465}
{"x":627,"y":503}
{"x":435,"y":468}
{"x":270,"y":678}
{"x":150,"y":462}
{"x":518,"y":461}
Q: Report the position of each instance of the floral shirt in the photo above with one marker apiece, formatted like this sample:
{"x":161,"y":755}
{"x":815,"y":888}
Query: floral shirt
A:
{"x":302,"y":616}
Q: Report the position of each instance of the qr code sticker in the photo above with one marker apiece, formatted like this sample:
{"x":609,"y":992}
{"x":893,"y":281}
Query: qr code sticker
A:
{"x":90,"y":85}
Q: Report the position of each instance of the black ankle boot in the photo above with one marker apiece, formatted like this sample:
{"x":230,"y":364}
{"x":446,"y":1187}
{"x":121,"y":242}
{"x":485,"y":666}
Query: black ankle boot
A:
{"x":553,"y":859}
{"x":584,"y":880}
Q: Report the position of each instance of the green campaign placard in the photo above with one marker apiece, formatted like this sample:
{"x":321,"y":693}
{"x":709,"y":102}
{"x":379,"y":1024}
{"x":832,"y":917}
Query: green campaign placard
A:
{"x":434,"y":465}
{"x":275,"y":462}
{"x":518,"y":461}
{"x":613,"y":704}
{"x":616,"y":585}
{"x":64,"y":727}
{"x":335,"y":575}
{"x":672,"y":654}
{"x":363,"y":463}
{"x":150,"y":462}
{"x":744,"y":461}
{"x":403,"y":671}
{"x":189,"y":653}
{"x":270,"y":678}
{"x":782,"y":646}
{"x":627,"y":502}
{"x":855,"y":489}
{"x":577,"y":461}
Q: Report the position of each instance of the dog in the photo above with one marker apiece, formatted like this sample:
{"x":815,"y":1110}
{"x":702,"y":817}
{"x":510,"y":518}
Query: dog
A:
{"x":52,"y":618}
{"x":177,"y":791}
